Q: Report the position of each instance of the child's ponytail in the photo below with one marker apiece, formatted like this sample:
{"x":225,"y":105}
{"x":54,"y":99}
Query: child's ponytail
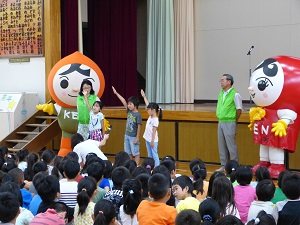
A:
{"x":104,"y":212}
{"x":86,"y":188}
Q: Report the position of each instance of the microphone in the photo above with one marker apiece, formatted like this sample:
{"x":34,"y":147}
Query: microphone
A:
{"x":249,"y":52}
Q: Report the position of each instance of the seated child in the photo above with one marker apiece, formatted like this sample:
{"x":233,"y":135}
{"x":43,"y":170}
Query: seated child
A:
{"x":229,"y":219}
{"x":119,"y":175}
{"x":48,"y":190}
{"x":262,"y":218}
{"x":87,"y":189}
{"x":95,"y":170}
{"x":188,"y":217}
{"x":132,"y":196}
{"x":68,"y":185}
{"x":56,"y":215}
{"x":157,"y":212}
{"x":244,"y":194}
{"x":265,"y":190}
{"x":183,"y":190}
{"x":104,"y":213}
{"x":288,"y":211}
{"x":209,"y":210}
{"x":230,"y":169}
{"x":279,"y":195}
{"x":9,"y":208}
{"x":18,"y":177}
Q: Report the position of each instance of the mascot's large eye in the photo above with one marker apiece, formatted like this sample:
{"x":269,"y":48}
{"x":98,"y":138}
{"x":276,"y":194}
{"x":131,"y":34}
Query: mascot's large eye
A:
{"x":271,"y":70}
{"x":64,"y":84}
{"x":262,"y":84}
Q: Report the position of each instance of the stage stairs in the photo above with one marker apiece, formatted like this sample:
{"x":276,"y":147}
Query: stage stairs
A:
{"x":34,"y":134}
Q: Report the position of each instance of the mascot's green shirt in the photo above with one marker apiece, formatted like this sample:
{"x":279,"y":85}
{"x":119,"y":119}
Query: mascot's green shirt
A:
{"x":83,"y":116}
{"x":226,"y":110}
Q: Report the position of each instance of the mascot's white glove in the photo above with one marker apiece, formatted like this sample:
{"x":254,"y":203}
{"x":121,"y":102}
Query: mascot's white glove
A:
{"x":255,"y":113}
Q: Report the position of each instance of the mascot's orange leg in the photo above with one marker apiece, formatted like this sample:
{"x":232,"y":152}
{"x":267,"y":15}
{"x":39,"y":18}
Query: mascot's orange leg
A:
{"x":65,"y":146}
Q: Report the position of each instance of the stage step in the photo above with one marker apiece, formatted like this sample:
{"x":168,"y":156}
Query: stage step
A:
{"x":46,"y":117}
{"x":17,"y":141}
{"x":28,"y":132}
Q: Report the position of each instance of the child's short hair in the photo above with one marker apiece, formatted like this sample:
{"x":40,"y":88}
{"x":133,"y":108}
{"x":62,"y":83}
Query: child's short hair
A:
{"x":118,"y":175}
{"x":76,"y":139}
{"x":144,"y":178}
{"x":100,"y":104}
{"x":73,"y":155}
{"x":22,"y":154}
{"x":139,"y":170}
{"x":230,"y":168}
{"x":209,"y":210}
{"x":108,"y":169}
{"x":96,"y":170}
{"x":48,"y":188}
{"x":120,"y":159}
{"x":291,"y":186}
{"x":169,"y":164}
{"x":47,"y":156}
{"x":262,"y":218}
{"x":280,"y":177}
{"x":199,"y":171}
{"x":229,"y":220}
{"x":39,"y":167}
{"x":13,"y":188}
{"x":130,"y":165}
{"x":184,"y":181}
{"x":188,"y":217}
{"x":244,"y":175}
{"x":9,"y":207}
{"x":262,"y":173}
{"x":17,"y":175}
{"x":37,"y":178}
{"x":265,"y":190}
{"x":168,"y":157}
{"x":158,"y":185}
{"x":135,"y":101}
{"x":71,"y":168}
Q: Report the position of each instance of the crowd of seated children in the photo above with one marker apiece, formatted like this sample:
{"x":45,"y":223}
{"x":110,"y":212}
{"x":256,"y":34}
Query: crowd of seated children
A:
{"x":288,"y":211}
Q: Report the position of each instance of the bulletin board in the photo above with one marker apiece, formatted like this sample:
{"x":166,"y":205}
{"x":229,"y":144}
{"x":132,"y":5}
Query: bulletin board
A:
{"x":21,"y":28}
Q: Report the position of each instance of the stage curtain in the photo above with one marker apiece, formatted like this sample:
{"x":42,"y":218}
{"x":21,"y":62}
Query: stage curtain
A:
{"x":184,"y":51}
{"x":112,"y":44}
{"x":69,"y":27}
{"x":160,"y":52}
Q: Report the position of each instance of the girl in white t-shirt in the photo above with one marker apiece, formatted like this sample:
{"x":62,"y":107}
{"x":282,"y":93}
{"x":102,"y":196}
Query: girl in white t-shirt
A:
{"x":96,"y":126}
{"x":151,"y":134}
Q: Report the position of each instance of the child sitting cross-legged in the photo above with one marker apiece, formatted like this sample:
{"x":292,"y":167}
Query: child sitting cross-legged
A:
{"x":265,"y":190}
{"x":183,"y":190}
{"x":156,"y":211}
